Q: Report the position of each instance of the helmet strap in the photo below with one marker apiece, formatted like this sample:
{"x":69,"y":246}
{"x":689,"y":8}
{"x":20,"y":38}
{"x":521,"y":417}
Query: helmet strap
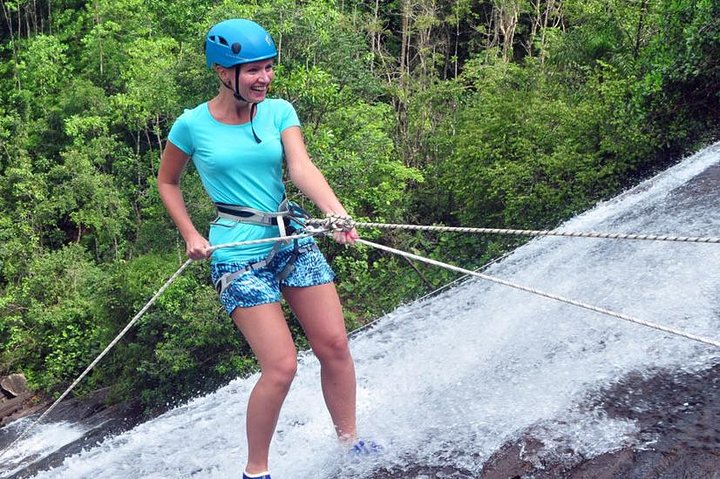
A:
{"x":253,"y":106}
{"x":236,"y":93}
{"x":238,"y":96}
{"x":253,"y":109}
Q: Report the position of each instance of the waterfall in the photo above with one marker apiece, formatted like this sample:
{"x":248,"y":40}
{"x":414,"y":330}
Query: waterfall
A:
{"x":448,"y":380}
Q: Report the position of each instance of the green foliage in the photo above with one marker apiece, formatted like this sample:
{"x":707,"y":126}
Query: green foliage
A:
{"x":42,"y":71}
{"x":527,"y":154}
{"x":354,"y":148}
{"x":150,"y":87}
{"x":114,"y":25}
{"x":53,"y":326}
{"x":682,"y":74}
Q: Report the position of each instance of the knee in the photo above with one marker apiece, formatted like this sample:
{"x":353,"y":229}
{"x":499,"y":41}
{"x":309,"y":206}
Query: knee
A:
{"x":334,"y":349}
{"x":280,"y":373}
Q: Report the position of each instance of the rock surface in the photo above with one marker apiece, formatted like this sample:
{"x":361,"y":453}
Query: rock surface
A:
{"x":16,"y":400}
{"x":14,"y":385}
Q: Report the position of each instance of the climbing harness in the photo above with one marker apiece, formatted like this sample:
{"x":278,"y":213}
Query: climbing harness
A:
{"x":226,"y":280}
{"x":289,"y":218}
{"x":293,"y":218}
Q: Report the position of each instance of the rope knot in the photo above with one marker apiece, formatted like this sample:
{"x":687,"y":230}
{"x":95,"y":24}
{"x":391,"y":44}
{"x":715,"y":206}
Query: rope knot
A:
{"x":335,"y":222}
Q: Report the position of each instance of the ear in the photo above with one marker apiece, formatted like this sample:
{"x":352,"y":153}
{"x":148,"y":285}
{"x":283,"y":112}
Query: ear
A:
{"x":221,"y":72}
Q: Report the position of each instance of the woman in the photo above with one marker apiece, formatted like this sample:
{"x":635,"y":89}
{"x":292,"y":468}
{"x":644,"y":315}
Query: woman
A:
{"x":238,"y":141}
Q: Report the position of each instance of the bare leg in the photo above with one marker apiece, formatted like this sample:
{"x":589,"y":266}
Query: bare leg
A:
{"x":267,"y":333}
{"x":319,"y":311}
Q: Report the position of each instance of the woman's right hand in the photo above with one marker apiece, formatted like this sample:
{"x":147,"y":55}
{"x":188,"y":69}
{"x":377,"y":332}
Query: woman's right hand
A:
{"x":197,"y":247}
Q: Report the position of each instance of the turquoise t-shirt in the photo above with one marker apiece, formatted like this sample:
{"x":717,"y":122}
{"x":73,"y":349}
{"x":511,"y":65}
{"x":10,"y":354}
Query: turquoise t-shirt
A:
{"x":235,"y":169}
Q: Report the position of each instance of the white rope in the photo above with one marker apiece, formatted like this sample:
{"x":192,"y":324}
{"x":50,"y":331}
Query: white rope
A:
{"x":575,"y":234}
{"x":579,"y":304}
{"x":132,"y":322}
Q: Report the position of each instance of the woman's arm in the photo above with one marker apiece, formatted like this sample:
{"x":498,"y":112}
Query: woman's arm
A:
{"x":308,"y":178}
{"x":172,"y":166}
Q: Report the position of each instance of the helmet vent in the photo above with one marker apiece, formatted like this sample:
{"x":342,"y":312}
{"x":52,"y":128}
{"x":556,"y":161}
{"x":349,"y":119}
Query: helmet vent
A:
{"x":218,"y":39}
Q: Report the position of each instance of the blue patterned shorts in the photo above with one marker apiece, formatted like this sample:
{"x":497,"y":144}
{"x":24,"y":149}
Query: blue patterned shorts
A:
{"x":261,"y":286}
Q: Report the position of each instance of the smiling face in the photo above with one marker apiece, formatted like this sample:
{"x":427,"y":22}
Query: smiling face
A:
{"x":253,"y":81}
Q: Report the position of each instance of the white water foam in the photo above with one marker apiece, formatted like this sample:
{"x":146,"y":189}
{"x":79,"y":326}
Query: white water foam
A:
{"x":47,"y":439}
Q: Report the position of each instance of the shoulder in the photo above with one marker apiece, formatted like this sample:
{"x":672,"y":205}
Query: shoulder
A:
{"x":190,"y":115}
{"x":282,"y":112}
{"x":278,"y":104}
{"x":181,"y":132}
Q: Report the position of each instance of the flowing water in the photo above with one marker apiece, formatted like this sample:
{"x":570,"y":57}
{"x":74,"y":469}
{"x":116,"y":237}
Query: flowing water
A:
{"x":449,"y":380}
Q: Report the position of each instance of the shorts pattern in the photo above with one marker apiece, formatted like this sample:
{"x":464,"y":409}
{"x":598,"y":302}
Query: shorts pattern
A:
{"x":261,"y":286}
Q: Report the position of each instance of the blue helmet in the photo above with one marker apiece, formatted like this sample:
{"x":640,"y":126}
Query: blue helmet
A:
{"x":237,"y":41}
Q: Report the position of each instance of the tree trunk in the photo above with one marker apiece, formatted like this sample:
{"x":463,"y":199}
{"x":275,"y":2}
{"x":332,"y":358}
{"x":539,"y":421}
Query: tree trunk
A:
{"x":641,"y":19}
{"x":507,"y":12}
{"x":405,"y":37}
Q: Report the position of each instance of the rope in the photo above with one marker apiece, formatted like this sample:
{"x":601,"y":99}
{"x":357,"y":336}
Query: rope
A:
{"x":574,"y":234}
{"x":579,"y":304}
{"x":132,"y":322}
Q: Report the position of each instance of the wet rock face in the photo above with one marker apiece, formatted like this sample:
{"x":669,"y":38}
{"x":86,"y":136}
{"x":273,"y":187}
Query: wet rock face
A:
{"x":92,"y":413}
{"x":679,"y":428}
{"x":15,"y":400}
{"x":14,"y":385}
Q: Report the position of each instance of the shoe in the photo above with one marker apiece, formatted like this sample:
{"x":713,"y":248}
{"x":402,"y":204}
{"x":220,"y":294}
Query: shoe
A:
{"x":262,"y":475}
{"x":365,"y":448}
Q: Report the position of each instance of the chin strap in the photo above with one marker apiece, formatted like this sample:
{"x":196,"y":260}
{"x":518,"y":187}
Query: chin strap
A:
{"x":239,"y":97}
{"x":253,"y":110}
